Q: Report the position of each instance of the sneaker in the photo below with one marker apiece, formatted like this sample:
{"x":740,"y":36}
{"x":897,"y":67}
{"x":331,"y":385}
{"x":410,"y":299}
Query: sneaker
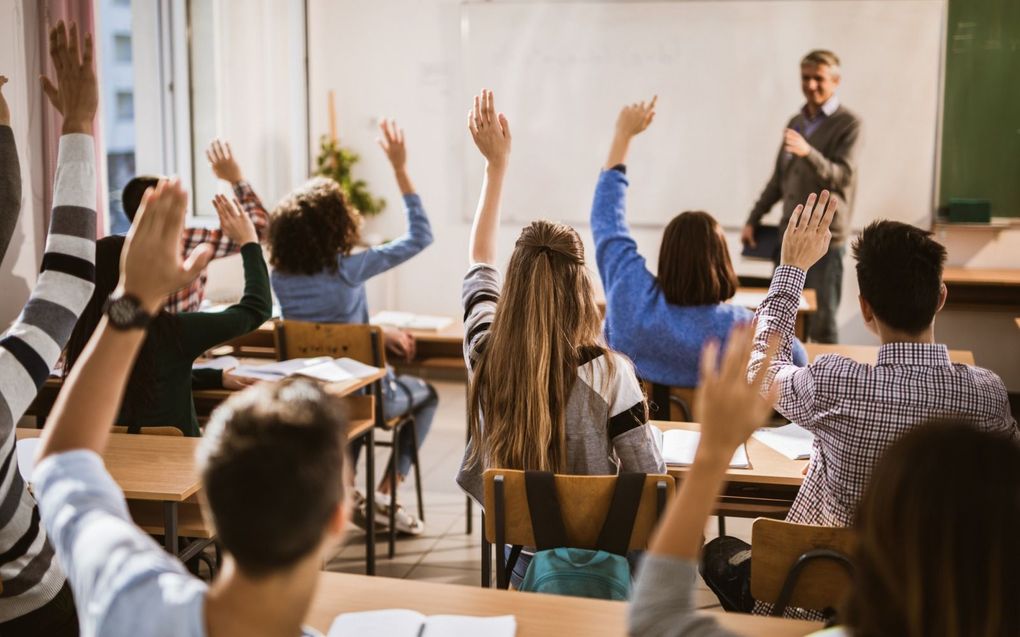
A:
{"x":404,"y":521}
{"x":359,"y":517}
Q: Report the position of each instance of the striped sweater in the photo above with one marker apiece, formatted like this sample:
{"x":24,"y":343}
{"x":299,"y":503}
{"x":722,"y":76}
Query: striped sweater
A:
{"x":28,"y":350}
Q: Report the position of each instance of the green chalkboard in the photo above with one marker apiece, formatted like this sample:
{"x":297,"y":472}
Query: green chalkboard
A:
{"x":981,"y":115}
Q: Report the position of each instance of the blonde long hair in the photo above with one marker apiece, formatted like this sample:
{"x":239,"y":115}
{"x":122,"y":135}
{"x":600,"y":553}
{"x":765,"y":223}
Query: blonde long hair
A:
{"x":546,"y":319}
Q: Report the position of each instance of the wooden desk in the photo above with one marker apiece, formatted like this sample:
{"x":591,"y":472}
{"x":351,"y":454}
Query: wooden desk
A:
{"x":537,"y":615}
{"x":869,"y":353}
{"x":767,"y":489}
{"x":982,"y":288}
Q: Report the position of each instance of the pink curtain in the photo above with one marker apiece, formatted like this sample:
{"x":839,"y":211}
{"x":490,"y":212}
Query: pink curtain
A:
{"x":82,"y":12}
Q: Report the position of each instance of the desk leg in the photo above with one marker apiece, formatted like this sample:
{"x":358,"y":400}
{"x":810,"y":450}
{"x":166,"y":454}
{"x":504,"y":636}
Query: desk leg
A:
{"x":170,"y":527}
{"x":370,"y":505}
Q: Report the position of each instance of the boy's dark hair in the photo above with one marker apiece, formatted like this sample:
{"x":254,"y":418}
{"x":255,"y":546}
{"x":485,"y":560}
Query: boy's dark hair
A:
{"x":131,"y":196}
{"x":899,"y":270}
{"x":311,"y":227}
{"x":694,"y":262}
{"x":273,"y":472}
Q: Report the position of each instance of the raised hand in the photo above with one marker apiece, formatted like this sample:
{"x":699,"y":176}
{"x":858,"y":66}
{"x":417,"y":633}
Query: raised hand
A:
{"x":76,"y":93}
{"x":807,"y":235}
{"x":151,"y":266}
{"x":795,"y":144}
{"x":634,"y":119}
{"x":491,"y":131}
{"x":235,"y":224}
{"x":392,"y":143}
{"x":727,"y":406}
{"x":222,"y":162}
{"x":5,"y":110}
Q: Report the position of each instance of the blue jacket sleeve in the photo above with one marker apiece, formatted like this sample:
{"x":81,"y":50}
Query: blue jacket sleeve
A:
{"x":616,"y":253}
{"x":360,"y":267}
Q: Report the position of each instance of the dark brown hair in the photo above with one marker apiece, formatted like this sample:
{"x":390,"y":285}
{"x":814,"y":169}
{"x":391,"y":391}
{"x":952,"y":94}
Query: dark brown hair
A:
{"x":694,"y":262}
{"x":131,"y":196}
{"x":938,"y":525}
{"x":272,"y":464}
{"x":311,"y":227}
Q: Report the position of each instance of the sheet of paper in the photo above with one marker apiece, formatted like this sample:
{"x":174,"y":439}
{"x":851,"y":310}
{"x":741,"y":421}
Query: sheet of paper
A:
{"x":220,"y":362}
{"x":792,"y":440}
{"x":680,"y":445}
{"x":26,"y":457}
{"x":280,"y":369}
{"x":409,"y":321}
{"x":752,"y":300}
{"x":461,"y":626}
{"x":378,"y":623}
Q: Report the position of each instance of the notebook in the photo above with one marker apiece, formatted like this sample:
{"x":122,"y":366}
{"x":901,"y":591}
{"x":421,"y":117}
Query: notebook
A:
{"x":408,"y":321}
{"x":792,"y":440}
{"x":26,"y":448}
{"x":321,"y":368}
{"x":767,"y":242}
{"x":408,"y":623}
{"x":678,"y":447}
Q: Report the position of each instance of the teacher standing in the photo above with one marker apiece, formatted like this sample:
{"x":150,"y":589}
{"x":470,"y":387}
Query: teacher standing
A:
{"x":818,"y":152}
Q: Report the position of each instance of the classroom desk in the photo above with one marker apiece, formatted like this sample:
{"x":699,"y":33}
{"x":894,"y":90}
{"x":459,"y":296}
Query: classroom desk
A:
{"x":767,"y":489}
{"x":537,"y":615}
{"x":982,"y":288}
{"x":869,"y":353}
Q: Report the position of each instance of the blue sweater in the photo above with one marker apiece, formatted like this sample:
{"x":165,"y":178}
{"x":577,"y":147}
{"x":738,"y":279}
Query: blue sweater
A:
{"x":663,"y":340}
{"x":339,"y":297}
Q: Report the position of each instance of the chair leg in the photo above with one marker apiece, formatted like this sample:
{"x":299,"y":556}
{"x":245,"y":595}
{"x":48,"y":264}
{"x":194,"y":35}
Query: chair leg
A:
{"x":417,"y":470}
{"x":486,"y":559}
{"x":393,"y":491}
{"x":722,"y":526}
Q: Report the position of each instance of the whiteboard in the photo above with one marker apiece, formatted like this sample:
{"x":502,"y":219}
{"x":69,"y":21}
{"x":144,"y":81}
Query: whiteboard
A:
{"x":728,"y":78}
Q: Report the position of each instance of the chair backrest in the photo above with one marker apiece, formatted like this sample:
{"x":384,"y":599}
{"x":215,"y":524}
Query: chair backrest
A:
{"x":669,"y":403}
{"x":165,"y":430}
{"x":300,"y":339}
{"x":584,"y":502}
{"x":810,"y":562}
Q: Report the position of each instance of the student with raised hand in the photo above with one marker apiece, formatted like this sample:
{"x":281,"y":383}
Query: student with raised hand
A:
{"x":917,"y":574}
{"x":161,"y":382}
{"x":318,"y":277}
{"x":661,"y":321}
{"x":856,"y":410}
{"x":280,"y":446}
{"x":545,"y":393}
{"x":225,"y":166}
{"x":36,"y":599}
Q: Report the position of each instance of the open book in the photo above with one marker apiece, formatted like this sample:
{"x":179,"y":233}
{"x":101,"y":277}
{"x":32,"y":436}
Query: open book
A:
{"x":324,"y":368}
{"x":792,"y":440}
{"x":408,"y":623}
{"x":678,"y":447}
{"x":408,"y":321}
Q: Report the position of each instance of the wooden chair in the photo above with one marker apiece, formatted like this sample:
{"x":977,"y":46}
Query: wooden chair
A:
{"x":584,"y":503}
{"x":800,"y":565}
{"x":363,"y":343}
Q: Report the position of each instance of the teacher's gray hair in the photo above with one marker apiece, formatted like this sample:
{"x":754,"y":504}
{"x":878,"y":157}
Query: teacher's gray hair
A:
{"x":819,"y":57}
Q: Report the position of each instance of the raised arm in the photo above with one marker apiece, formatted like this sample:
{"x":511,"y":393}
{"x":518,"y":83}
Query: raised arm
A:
{"x":151,"y":268}
{"x":616,"y":252}
{"x":805,"y":242}
{"x":729,"y":410}
{"x":225,"y":166}
{"x":491,"y":133}
{"x":10,"y":175}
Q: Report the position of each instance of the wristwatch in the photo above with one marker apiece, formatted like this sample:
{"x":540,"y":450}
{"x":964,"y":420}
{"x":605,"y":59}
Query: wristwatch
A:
{"x":125,"y":312}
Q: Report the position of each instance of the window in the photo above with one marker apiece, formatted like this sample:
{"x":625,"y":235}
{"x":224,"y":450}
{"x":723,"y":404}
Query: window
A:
{"x":122,"y":49}
{"x":117,"y":96}
{"x":125,"y":106}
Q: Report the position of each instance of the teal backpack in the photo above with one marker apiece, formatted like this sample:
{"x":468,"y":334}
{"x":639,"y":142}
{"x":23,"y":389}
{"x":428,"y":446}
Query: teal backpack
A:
{"x":602,"y":573}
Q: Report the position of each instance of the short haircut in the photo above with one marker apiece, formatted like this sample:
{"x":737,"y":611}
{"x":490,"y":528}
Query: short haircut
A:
{"x":899,"y":271}
{"x":311,"y":227}
{"x":694,"y":261}
{"x":131,"y":196}
{"x":272,"y":464}
{"x":820,"y":57}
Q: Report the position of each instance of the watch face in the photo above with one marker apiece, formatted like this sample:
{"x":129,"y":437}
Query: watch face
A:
{"x":122,"y":311}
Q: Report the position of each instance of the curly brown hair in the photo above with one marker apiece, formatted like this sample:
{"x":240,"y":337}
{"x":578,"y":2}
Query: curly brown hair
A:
{"x":310,"y":227}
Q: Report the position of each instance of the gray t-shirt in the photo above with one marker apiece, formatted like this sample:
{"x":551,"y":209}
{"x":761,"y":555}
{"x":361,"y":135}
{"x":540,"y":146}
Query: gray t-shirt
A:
{"x":123,"y":582}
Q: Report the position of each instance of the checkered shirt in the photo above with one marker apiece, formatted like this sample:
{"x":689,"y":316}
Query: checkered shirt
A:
{"x":856,"y":410}
{"x":189,"y":298}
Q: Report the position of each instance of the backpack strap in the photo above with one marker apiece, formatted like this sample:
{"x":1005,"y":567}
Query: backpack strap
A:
{"x":544,"y":506}
{"x":616,"y":530}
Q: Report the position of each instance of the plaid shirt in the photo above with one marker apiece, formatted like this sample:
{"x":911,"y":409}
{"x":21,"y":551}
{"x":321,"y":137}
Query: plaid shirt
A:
{"x":856,"y":410}
{"x":189,"y":298}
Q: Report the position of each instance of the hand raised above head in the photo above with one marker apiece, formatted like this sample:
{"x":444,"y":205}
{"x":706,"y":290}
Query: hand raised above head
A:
{"x":235,"y":224}
{"x":489,"y":130}
{"x":151,"y":264}
{"x":636,"y":117}
{"x":76,"y":93}
{"x":222,"y":162}
{"x":392,"y":143}
{"x":807,"y":235}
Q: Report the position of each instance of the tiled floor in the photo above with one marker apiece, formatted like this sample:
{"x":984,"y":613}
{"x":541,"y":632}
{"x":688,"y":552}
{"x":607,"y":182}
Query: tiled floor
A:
{"x":444,"y":553}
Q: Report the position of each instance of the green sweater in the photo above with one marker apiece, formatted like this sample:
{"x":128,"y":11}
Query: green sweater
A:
{"x":198,"y":332}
